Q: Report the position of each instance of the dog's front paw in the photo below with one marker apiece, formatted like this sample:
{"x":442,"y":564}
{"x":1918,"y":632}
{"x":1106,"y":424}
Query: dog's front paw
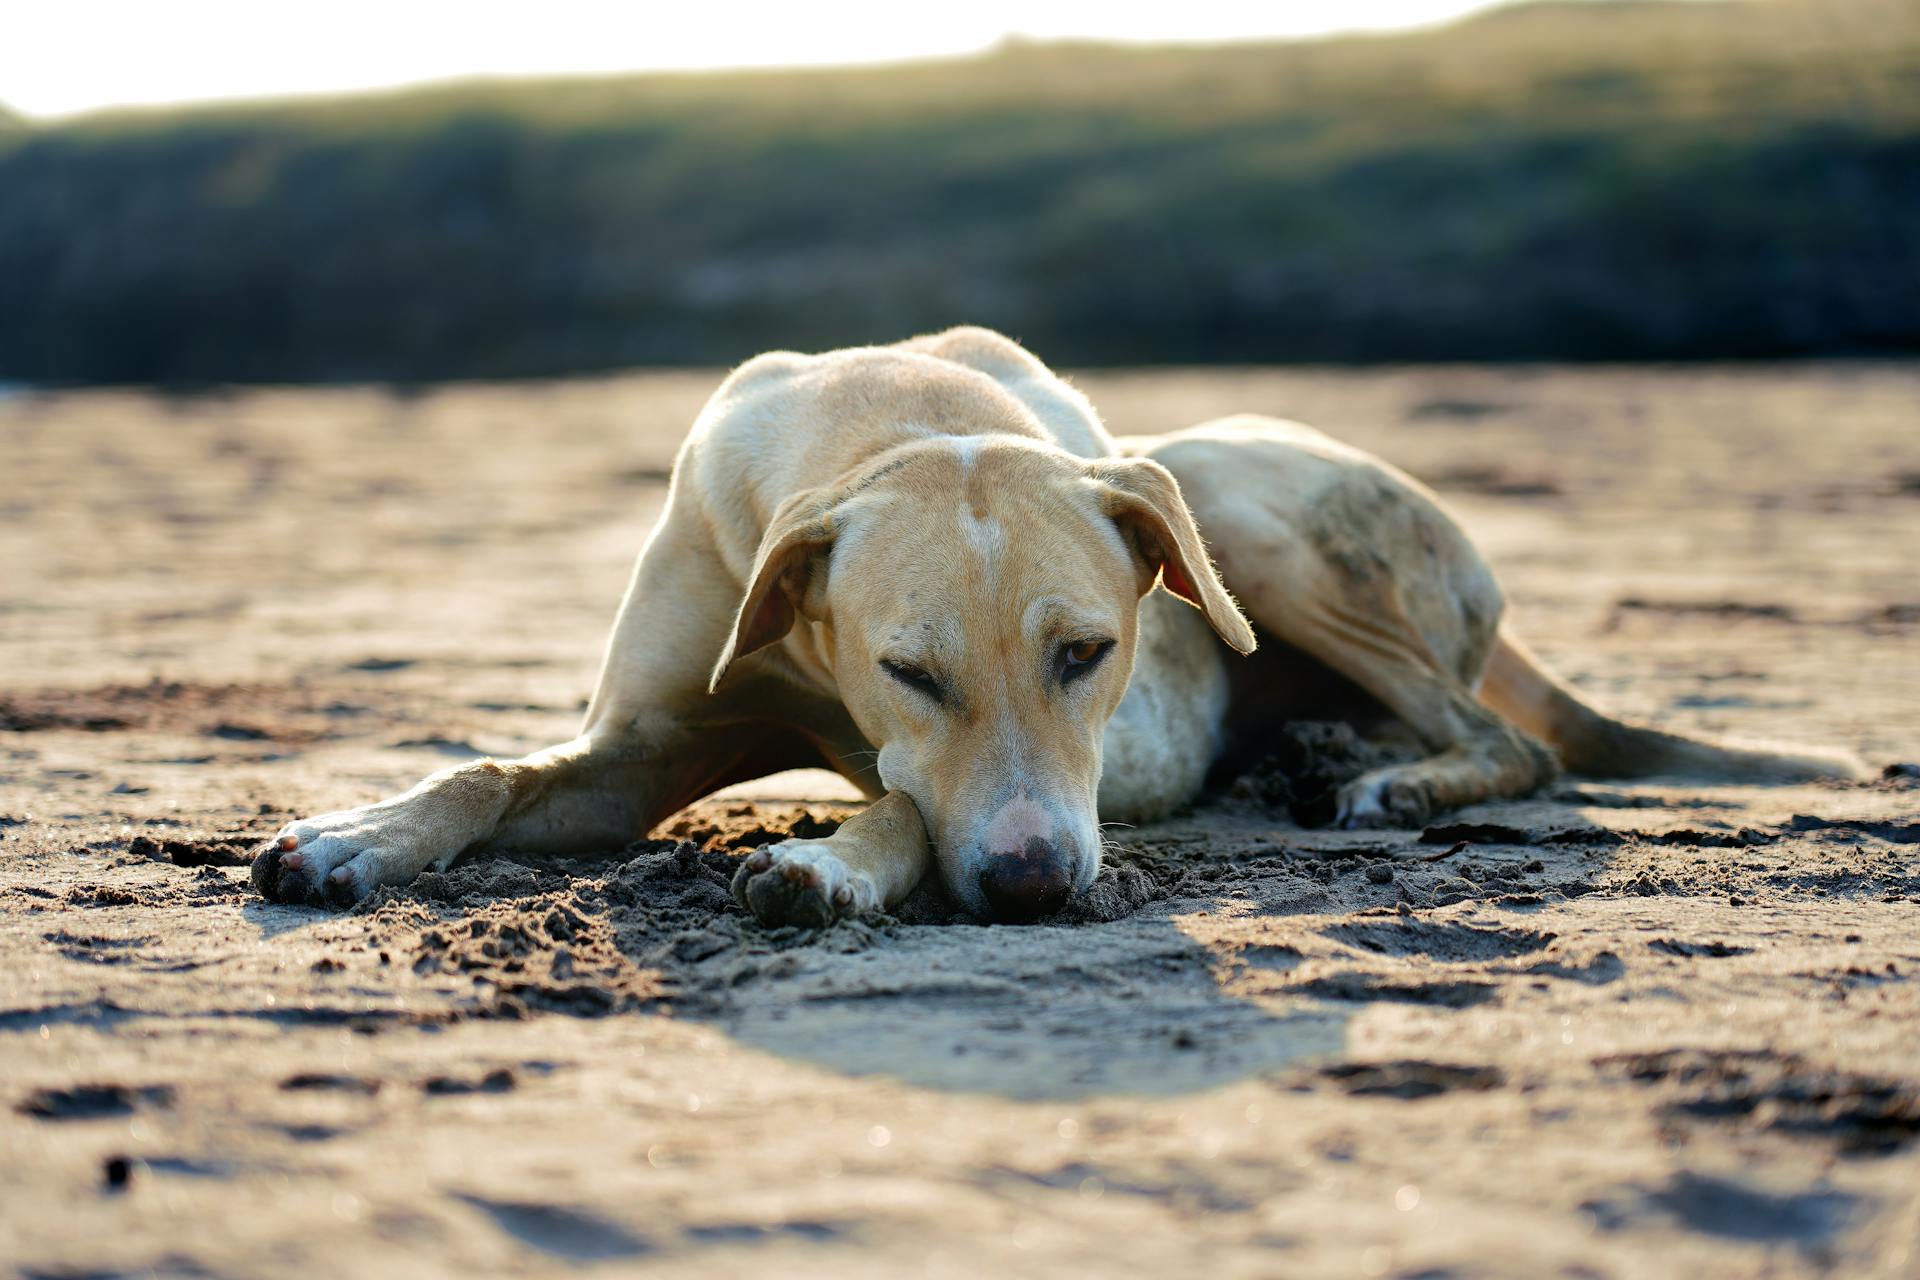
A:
{"x":339,"y":858}
{"x":801,"y":882}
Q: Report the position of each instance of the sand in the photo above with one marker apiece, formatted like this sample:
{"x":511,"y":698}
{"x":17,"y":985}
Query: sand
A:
{"x":1615,"y":1030}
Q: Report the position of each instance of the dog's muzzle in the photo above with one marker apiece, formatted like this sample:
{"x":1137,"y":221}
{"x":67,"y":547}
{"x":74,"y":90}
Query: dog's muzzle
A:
{"x":1027,"y":884}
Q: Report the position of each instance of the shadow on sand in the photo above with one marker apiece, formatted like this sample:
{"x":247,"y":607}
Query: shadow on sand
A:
{"x":1166,"y":979}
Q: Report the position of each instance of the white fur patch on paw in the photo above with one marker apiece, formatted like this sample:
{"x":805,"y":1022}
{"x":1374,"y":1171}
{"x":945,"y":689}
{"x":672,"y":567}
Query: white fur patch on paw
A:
{"x":851,"y":892}
{"x":803,"y":882}
{"x":1363,"y":802}
{"x":1395,"y":796}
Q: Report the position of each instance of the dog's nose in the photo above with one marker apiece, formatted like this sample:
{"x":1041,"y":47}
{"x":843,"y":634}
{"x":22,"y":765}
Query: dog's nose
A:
{"x":1029,"y":884}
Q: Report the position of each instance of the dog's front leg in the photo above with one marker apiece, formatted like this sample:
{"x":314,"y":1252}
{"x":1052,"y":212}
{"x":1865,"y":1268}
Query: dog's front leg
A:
{"x":872,"y":862}
{"x":596,"y":792}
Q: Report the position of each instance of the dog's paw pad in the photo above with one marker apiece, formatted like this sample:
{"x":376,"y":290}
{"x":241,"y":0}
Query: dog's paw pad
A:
{"x":281,"y":874}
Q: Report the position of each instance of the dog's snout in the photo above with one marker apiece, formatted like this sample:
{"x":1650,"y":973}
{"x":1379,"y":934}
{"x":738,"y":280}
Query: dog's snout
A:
{"x":1027,"y":884}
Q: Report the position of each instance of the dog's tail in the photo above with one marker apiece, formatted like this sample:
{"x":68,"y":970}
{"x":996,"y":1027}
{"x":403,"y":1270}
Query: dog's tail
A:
{"x":1589,"y":742}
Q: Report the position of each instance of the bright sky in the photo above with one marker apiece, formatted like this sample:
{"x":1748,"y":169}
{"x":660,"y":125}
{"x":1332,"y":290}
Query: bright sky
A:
{"x":58,"y":57}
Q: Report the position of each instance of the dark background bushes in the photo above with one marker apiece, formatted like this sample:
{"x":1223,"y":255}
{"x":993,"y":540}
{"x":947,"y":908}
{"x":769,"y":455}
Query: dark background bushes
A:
{"x":1618,"y":181}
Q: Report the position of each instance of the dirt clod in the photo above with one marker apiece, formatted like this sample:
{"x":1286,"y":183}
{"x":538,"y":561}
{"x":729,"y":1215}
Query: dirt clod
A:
{"x":93,"y":1101}
{"x":1303,"y":774}
{"x":1410,"y":1080}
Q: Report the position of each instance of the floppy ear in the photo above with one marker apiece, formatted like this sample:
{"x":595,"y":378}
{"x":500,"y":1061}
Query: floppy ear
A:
{"x":787,"y":571}
{"x":1143,"y":499}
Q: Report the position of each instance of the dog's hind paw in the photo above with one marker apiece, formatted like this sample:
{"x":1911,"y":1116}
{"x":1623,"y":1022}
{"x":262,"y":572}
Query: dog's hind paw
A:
{"x":1385,"y":798}
{"x":803,"y":883}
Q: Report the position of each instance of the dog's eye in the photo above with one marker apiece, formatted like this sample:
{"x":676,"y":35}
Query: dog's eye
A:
{"x":914,"y":678}
{"x":1082,"y":656}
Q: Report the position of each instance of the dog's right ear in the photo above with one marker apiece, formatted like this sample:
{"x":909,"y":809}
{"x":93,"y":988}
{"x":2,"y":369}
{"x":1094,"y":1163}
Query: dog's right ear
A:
{"x":789,"y":578}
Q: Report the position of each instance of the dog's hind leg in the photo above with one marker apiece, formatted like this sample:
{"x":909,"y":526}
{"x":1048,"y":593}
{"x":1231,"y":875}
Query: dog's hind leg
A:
{"x":1476,"y":755}
{"x":1358,"y":565}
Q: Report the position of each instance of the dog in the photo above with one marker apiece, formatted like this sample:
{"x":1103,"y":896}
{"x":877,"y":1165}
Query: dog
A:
{"x":928,"y":567}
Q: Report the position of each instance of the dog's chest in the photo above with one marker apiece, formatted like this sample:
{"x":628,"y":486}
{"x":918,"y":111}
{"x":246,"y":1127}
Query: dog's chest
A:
{"x":1169,"y":727}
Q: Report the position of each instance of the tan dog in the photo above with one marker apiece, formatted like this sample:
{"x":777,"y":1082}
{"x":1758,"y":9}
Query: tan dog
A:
{"x":928,"y":567}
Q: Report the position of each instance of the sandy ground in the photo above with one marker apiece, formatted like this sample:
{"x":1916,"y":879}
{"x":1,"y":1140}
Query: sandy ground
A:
{"x":1624,"y":1031}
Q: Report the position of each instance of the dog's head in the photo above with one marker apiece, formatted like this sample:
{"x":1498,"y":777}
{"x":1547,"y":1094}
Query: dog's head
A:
{"x":978,"y":600}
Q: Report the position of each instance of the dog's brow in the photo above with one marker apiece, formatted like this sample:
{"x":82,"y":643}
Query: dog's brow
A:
{"x":1054,"y":617}
{"x":926,"y":642}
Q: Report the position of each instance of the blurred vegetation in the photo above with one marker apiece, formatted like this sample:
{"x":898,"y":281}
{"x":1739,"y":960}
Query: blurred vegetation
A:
{"x":1589,"y":181}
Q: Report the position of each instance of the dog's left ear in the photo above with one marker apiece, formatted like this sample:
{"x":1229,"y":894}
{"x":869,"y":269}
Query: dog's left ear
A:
{"x":1143,"y":499}
{"x":789,"y":577}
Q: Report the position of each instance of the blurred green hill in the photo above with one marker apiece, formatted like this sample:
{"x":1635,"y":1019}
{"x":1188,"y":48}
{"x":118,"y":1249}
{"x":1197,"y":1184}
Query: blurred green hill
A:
{"x":1566,"y":180}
